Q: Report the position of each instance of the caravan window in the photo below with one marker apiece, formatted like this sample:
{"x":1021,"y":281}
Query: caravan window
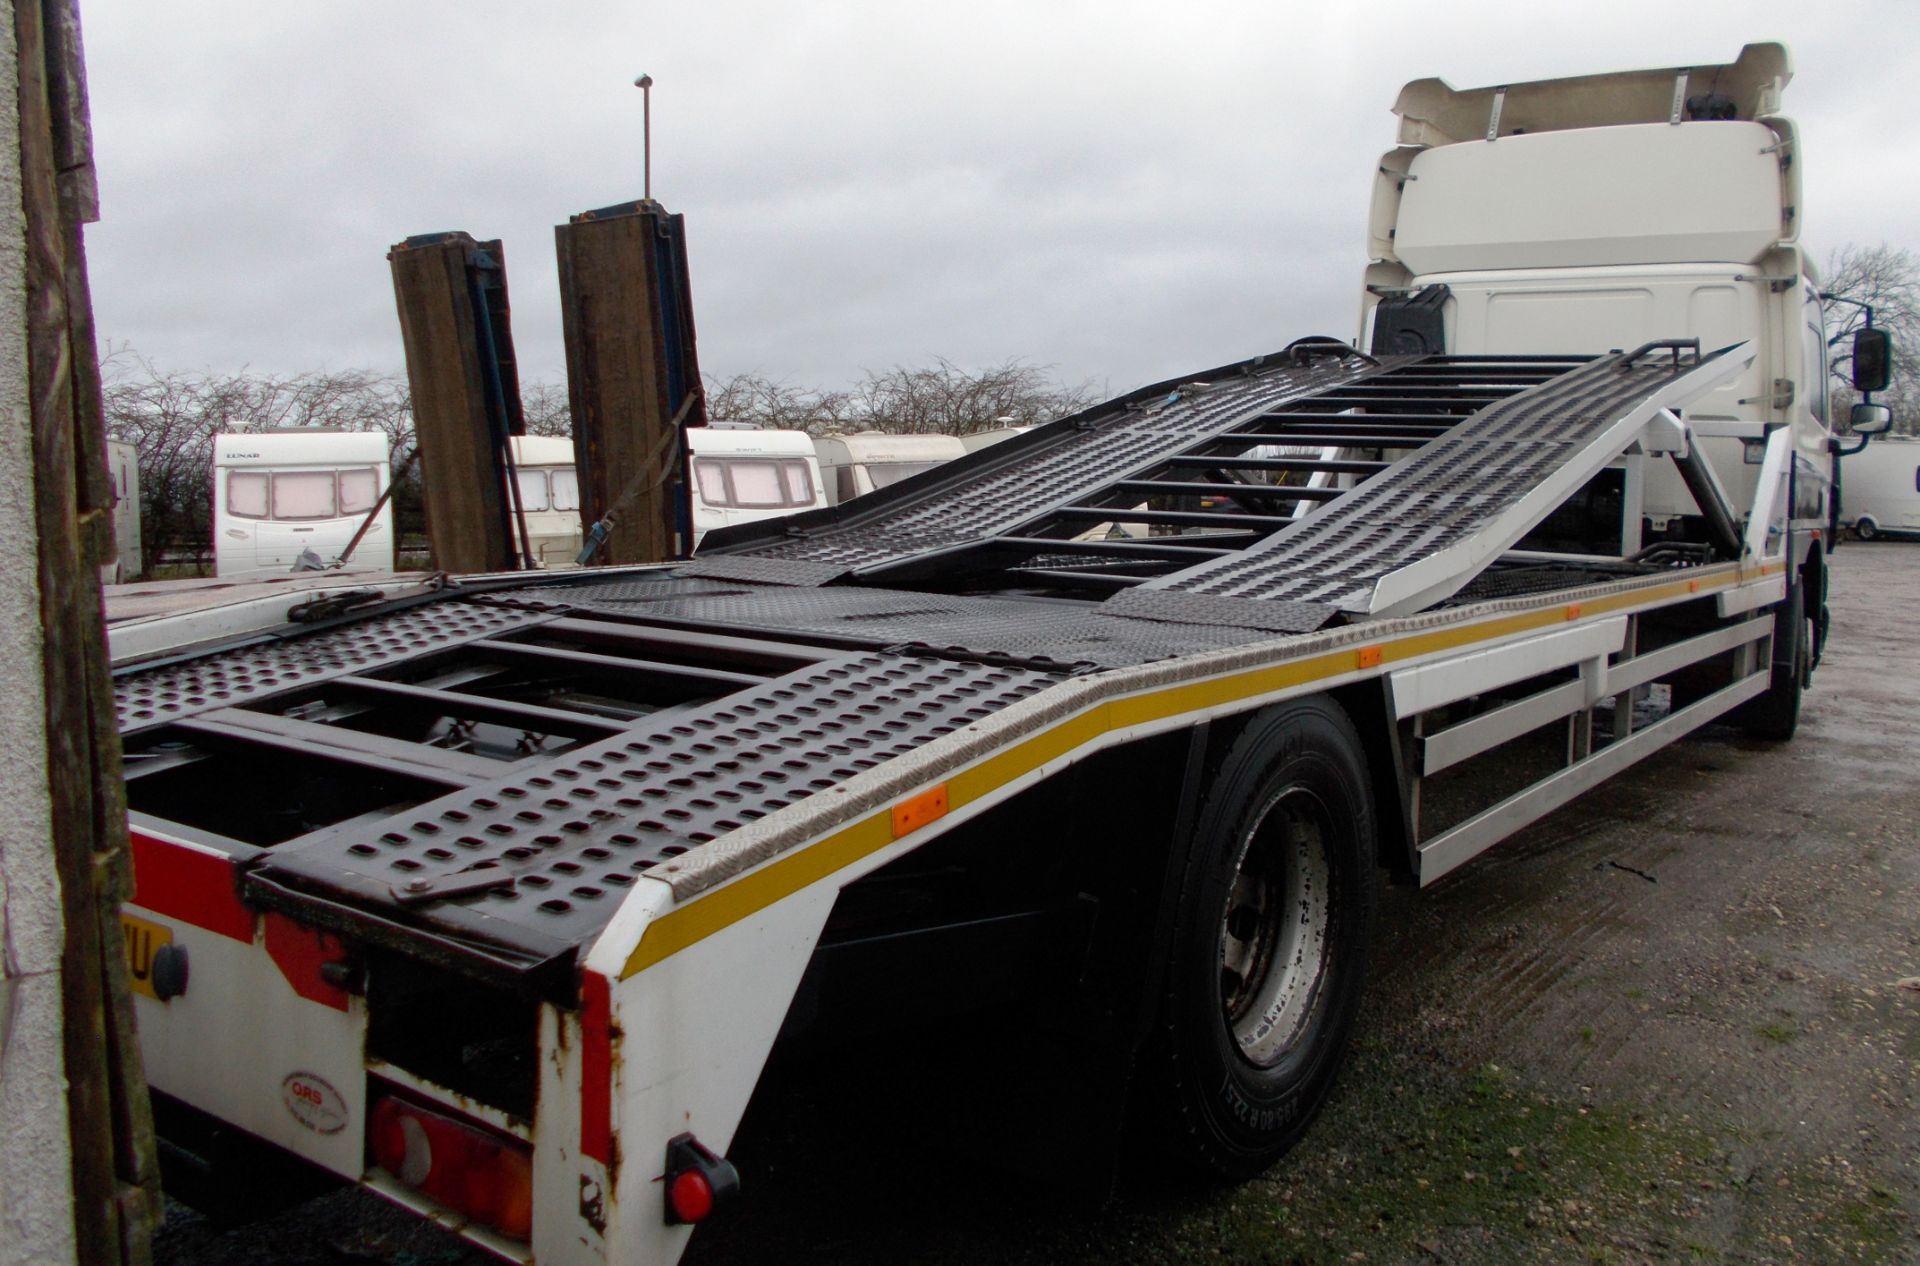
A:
{"x":756,"y":484}
{"x":247,"y":494}
{"x":303,"y":494}
{"x":753,"y":483}
{"x":533,"y":489}
{"x":566,"y":488}
{"x":712,"y":477}
{"x":359,"y":489}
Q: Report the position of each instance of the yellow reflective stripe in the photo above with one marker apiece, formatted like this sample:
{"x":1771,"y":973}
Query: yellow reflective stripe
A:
{"x":712,"y":911}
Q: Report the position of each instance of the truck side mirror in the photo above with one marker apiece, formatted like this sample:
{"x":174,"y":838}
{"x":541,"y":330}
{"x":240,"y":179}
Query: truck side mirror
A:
{"x":1870,"y":419}
{"x":1872,"y":366}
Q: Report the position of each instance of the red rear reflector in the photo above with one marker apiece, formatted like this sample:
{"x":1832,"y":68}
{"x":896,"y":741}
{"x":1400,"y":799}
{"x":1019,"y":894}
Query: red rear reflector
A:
{"x":485,"y":1176}
{"x":691,"y":1196}
{"x":698,"y":1182}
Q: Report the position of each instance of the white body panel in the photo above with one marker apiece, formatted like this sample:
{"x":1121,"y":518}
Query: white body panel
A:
{"x":1881,"y":484}
{"x":854,"y":465}
{"x":1646,"y":194}
{"x":276,"y":494}
{"x":742,"y":476}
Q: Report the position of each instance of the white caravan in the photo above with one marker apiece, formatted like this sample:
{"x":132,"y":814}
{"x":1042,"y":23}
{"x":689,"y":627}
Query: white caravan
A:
{"x":854,"y":465}
{"x":279,"y":493}
{"x":1880,"y":488}
{"x":123,"y":471}
{"x":549,"y":497}
{"x":740,"y":476}
{"x":987,"y":439}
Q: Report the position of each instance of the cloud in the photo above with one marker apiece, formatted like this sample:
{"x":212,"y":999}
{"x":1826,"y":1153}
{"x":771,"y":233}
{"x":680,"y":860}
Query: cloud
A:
{"x":1123,"y":191}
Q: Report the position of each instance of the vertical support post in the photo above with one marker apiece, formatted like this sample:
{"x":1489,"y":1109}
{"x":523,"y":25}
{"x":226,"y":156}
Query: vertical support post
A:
{"x":632,"y":373}
{"x":451,"y":293}
{"x":76,"y":1142}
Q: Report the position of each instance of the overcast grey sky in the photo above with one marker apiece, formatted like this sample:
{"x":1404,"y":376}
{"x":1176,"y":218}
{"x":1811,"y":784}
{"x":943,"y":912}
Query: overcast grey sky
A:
{"x":1123,"y":191}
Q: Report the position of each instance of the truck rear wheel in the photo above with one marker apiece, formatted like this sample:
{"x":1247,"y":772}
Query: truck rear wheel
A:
{"x":1775,"y":715}
{"x":1270,"y":941}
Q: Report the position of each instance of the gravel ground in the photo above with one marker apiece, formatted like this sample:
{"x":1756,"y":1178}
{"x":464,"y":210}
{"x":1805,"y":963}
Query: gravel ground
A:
{"x":1678,"y":1021}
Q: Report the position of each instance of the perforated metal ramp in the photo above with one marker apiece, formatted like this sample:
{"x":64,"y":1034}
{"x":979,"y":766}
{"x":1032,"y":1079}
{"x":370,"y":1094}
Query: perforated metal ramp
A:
{"x":1419,"y":531}
{"x":997,"y":488}
{"x":534,"y":862}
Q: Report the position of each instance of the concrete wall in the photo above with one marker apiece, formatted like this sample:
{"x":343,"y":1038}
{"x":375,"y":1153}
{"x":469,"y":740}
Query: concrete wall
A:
{"x":36,"y":1196}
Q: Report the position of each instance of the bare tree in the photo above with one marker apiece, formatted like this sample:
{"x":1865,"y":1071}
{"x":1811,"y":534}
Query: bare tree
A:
{"x":765,"y":402}
{"x":943,"y":398}
{"x":1888,"y":278}
{"x":547,"y":410}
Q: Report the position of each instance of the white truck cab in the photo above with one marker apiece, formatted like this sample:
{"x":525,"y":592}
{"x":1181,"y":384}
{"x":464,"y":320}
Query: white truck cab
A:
{"x":1607,"y":211}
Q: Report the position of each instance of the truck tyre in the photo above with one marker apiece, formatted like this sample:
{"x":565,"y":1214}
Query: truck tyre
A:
{"x":1775,"y":715}
{"x":1269,"y":944}
{"x":1866,"y":529}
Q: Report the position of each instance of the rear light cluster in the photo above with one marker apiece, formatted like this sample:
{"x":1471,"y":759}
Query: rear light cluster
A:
{"x":474,"y":1171}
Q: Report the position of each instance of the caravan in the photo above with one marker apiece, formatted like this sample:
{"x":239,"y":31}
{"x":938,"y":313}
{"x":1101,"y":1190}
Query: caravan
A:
{"x":854,"y":465}
{"x":549,"y":497}
{"x":277,"y":494}
{"x":123,"y":472}
{"x":741,"y":475}
{"x":1880,"y":488}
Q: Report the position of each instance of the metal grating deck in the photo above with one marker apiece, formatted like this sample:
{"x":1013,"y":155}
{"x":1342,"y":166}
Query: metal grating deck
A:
{"x":999,"y":487}
{"x":1050,"y":634}
{"x":148,"y":697}
{"x":536,"y":862}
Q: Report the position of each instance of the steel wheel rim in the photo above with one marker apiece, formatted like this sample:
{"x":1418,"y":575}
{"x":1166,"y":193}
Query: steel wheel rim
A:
{"x":1273,"y":932}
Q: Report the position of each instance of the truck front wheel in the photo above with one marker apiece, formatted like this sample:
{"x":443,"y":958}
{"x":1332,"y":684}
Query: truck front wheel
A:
{"x":1270,"y":941}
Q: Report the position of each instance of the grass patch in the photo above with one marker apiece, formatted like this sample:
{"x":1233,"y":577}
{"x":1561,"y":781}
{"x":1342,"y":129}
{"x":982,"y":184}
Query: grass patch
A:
{"x":1779,"y":1034}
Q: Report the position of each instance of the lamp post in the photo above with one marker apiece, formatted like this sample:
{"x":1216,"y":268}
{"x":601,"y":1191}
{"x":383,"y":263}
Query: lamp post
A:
{"x":645,"y":84}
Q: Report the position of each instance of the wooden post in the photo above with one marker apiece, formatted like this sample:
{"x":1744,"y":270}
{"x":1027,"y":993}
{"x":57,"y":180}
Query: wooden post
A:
{"x":631,"y":368}
{"x":466,"y":398}
{"x":114,"y":1180}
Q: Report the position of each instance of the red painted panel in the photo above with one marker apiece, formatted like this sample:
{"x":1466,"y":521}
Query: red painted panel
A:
{"x":299,"y":952}
{"x":189,"y":884}
{"x":596,"y":1067}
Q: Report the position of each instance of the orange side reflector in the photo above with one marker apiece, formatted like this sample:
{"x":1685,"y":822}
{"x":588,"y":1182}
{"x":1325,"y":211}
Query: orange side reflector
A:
{"x":1693,"y":586}
{"x":1369,"y":657}
{"x":1573,"y":610}
{"x":913,"y":813}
